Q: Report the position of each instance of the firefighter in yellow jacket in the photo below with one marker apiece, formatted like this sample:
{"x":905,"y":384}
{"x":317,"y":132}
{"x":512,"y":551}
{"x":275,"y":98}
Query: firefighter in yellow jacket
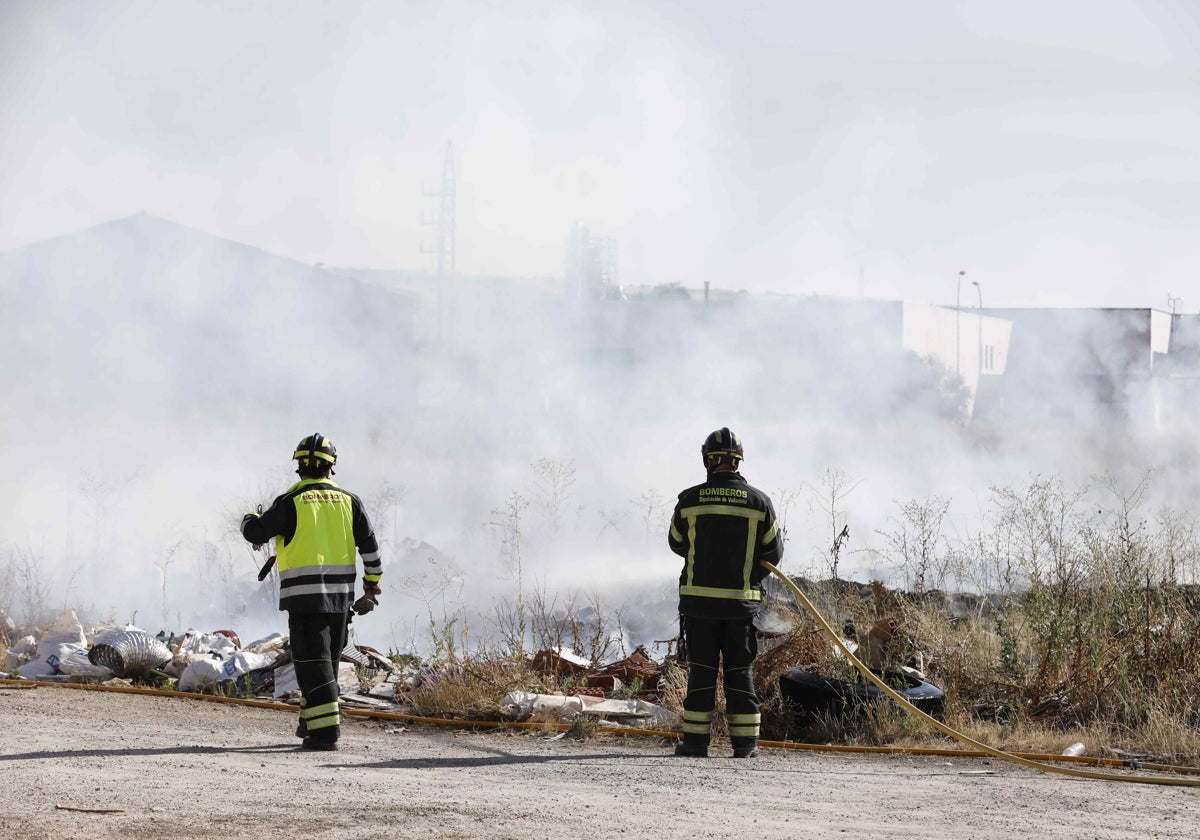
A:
{"x":317,"y":526}
{"x":723,"y":529}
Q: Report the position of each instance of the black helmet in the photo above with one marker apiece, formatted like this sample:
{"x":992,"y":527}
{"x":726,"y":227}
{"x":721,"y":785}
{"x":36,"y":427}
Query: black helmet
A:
{"x":722,"y":444}
{"x":314,"y":449}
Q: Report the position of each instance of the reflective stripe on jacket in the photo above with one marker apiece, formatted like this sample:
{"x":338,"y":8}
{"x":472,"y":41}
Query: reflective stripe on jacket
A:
{"x":722,"y":529}
{"x":317,"y":526}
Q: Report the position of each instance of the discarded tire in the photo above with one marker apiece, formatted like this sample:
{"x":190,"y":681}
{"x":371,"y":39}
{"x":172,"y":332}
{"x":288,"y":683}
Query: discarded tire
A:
{"x":129,"y":653}
{"x":810,"y":695}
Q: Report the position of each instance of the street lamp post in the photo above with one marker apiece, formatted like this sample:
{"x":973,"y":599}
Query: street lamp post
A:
{"x":958,"y":325}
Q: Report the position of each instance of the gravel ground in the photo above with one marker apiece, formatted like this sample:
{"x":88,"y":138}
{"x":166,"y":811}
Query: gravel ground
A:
{"x":184,"y":768}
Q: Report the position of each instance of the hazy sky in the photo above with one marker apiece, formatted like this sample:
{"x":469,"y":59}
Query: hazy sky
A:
{"x":1051,"y":150}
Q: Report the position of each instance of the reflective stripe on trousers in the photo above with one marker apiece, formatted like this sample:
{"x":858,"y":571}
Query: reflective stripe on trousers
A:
{"x":317,"y":640}
{"x":730,"y":645}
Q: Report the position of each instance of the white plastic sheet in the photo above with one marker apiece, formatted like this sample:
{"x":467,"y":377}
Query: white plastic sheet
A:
{"x":524,"y":704}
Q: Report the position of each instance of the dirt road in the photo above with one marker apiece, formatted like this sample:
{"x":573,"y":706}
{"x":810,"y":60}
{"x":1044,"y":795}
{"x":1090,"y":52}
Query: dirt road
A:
{"x":177,"y":768}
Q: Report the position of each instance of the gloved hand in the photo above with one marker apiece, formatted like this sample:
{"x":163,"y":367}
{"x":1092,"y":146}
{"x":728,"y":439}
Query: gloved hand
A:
{"x":365,"y":604}
{"x":249,"y":517}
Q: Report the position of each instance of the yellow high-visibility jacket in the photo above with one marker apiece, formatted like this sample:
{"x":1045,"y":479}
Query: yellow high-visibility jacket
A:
{"x":317,"y":526}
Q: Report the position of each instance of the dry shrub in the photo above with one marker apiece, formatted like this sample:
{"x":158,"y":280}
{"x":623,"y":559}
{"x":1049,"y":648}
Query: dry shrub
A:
{"x":1163,"y":735}
{"x":672,"y":685}
{"x":1082,"y":633}
{"x":473,"y":690}
{"x":802,"y":645}
{"x":1085,"y":631}
{"x":959,"y":657}
{"x":882,"y":723}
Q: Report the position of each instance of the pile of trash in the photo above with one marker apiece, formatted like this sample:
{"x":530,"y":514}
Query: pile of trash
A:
{"x":209,"y":663}
{"x":621,"y":693}
{"x":636,"y":674}
{"x":635,"y":679}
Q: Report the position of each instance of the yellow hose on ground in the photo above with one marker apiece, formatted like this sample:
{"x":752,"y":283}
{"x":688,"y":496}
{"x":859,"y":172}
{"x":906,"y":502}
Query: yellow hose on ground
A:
{"x":981,"y":750}
{"x":959,"y":736}
{"x":271,"y":704}
{"x":562,"y":727}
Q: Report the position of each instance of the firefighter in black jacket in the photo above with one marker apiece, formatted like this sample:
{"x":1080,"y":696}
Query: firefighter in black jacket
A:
{"x":723,"y":528}
{"x":317,"y":526}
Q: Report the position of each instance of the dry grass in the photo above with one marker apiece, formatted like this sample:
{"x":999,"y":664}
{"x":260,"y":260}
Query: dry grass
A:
{"x":474,"y":689}
{"x":1031,"y":673}
{"x":1116,"y":692}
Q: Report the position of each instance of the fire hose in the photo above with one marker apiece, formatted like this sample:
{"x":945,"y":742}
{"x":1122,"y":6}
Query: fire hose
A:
{"x":953,"y":733}
{"x":979,"y":749}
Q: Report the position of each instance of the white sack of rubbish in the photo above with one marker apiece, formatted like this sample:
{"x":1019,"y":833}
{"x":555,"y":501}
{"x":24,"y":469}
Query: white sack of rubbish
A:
{"x":64,"y":636}
{"x":180,"y":661}
{"x":244,"y":663}
{"x":37,"y":668}
{"x":201,"y":673}
{"x":206,"y":671}
{"x":20,"y":652}
{"x":196,"y":642}
{"x":78,"y":664}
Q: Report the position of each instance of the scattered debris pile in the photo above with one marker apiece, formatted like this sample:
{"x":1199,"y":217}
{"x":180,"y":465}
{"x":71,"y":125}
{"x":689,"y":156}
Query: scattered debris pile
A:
{"x":210,"y":663}
{"x":636,"y":675}
{"x":816,"y":682}
{"x":62,"y":651}
{"x":562,"y":685}
{"x":622,"y":693}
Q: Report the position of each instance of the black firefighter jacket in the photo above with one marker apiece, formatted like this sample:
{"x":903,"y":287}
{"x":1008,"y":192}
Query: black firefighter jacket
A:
{"x":723,"y":528}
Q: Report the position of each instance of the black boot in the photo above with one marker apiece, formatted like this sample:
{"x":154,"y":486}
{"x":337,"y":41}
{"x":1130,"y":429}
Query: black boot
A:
{"x":691,"y":749}
{"x":311,"y":743}
{"x":745,"y":747}
{"x":325,"y":738}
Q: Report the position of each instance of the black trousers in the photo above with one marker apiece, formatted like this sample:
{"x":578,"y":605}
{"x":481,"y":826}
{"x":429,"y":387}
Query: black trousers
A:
{"x":729,"y":645}
{"x":317,"y":640}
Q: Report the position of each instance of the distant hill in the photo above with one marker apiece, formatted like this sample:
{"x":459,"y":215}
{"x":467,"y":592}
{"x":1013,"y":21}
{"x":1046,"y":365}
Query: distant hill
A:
{"x":172,"y":319}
